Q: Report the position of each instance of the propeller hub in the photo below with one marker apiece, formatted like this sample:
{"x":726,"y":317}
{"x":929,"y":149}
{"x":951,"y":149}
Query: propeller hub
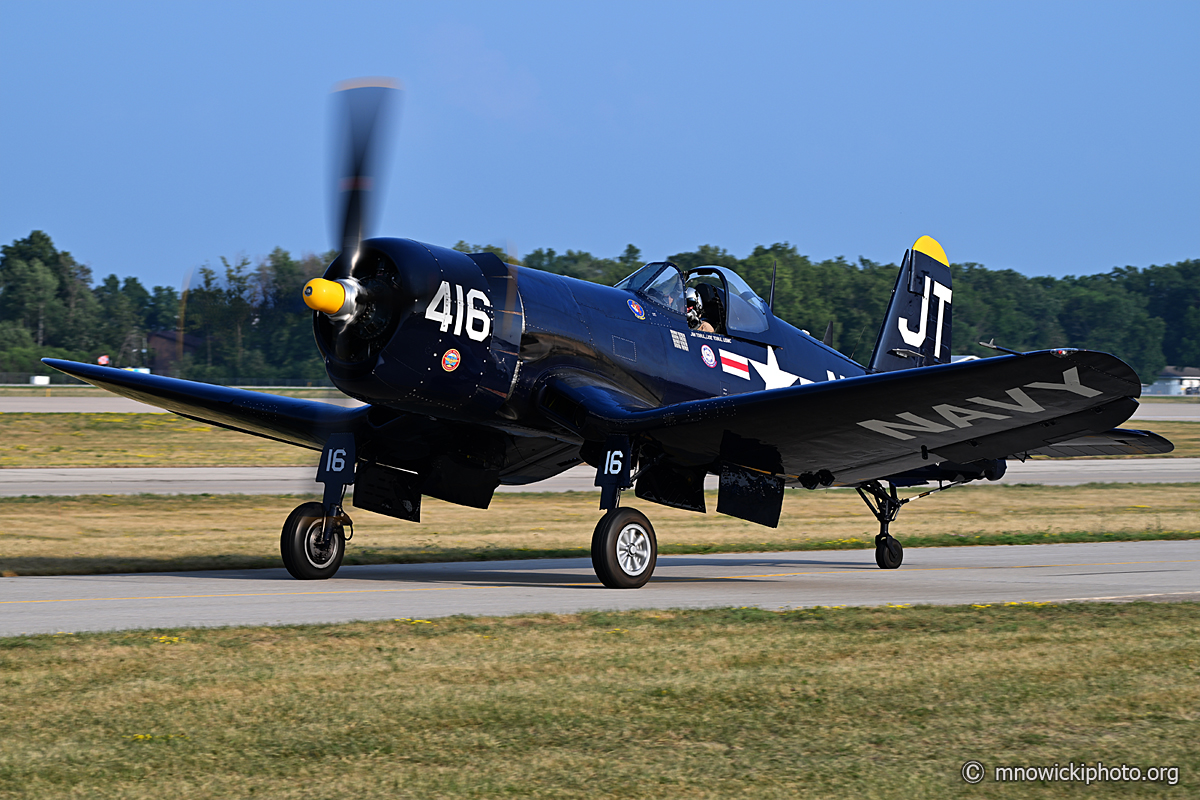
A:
{"x":336,"y":299}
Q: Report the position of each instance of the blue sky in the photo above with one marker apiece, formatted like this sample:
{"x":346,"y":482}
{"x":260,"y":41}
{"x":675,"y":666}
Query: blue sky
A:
{"x":1050,"y":137}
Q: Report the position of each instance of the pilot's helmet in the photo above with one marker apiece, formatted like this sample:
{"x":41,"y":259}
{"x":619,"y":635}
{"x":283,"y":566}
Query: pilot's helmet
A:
{"x":693,"y":299}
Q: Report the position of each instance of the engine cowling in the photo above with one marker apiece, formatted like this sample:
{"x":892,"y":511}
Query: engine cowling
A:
{"x":420,"y":328}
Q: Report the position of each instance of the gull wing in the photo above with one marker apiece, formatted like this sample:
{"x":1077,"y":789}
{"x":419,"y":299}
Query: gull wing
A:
{"x":870,"y":427}
{"x":306,"y":423}
{"x":410,"y":442}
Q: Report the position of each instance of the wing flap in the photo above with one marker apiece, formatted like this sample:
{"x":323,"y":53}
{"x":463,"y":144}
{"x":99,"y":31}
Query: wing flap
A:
{"x":1117,"y":442}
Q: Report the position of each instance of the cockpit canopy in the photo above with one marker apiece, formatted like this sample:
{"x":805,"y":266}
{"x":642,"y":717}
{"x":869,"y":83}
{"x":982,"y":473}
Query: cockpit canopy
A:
{"x":660,"y":282}
{"x":745,"y":311}
{"x":730,"y":305}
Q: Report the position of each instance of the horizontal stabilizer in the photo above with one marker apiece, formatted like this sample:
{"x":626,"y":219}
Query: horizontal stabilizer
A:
{"x":1117,"y":442}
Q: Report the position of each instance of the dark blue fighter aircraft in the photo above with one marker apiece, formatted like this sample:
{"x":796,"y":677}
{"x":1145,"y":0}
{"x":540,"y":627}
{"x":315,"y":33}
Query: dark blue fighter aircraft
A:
{"x":478,"y":373}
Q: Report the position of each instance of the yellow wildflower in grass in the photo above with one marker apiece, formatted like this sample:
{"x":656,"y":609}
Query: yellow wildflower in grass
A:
{"x":151,"y":737}
{"x":413,"y":621}
{"x":168,"y":639}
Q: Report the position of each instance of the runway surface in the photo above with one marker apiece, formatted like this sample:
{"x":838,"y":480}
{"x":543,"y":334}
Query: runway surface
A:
{"x":1183,"y":412}
{"x":299,"y":480}
{"x":1176,"y":412}
{"x":938,"y":575}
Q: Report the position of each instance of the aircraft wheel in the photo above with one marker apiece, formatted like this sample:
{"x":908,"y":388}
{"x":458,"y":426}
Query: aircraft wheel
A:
{"x":888,"y":552}
{"x":624,"y":550}
{"x":300,"y":544}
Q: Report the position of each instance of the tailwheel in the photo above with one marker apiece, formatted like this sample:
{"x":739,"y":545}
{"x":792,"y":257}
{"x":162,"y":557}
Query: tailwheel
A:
{"x":312,"y":548}
{"x":889,"y":554}
{"x":624,"y":550}
{"x":885,"y":505}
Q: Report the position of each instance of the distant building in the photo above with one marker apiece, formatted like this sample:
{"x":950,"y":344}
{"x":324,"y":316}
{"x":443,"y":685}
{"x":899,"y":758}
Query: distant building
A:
{"x":1175,"y":381}
{"x":165,"y":350}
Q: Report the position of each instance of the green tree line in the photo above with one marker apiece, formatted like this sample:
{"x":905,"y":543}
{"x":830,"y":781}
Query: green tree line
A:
{"x":246,"y":320}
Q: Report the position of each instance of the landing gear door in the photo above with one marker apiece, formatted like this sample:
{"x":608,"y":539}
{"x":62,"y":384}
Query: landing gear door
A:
{"x":613,"y":473}
{"x":336,"y":469}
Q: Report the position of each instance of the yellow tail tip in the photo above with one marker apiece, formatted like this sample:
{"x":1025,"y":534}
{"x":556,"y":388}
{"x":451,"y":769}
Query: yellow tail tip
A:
{"x":930,"y":247}
{"x":324,"y":296}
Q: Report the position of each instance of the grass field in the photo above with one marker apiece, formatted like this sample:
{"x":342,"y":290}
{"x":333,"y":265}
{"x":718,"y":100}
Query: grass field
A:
{"x":98,"y":534}
{"x":862,"y":703}
{"x":165,"y":440}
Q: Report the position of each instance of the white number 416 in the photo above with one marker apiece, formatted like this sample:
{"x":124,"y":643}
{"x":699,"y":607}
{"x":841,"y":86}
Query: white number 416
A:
{"x":446,"y":312}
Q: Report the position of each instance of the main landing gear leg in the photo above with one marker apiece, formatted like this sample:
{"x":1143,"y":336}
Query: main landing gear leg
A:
{"x":624,"y":548}
{"x":885,"y":505}
{"x":313,"y":541}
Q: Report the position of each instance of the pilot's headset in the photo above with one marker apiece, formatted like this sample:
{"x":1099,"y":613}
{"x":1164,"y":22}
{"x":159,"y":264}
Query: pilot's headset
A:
{"x":695,"y":306}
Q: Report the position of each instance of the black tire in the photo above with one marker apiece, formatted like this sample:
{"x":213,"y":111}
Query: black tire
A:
{"x":889,"y":554}
{"x":298,"y":544}
{"x":624,"y":549}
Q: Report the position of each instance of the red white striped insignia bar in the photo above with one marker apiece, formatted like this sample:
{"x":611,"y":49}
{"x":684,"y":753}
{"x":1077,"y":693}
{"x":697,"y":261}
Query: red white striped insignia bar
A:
{"x":735,"y":364}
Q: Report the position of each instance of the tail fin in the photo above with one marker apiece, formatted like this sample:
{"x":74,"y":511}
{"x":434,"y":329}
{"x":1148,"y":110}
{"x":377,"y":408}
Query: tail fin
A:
{"x":916,"y":331}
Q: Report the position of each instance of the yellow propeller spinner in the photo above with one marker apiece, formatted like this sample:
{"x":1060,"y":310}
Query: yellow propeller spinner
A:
{"x":325,"y":296}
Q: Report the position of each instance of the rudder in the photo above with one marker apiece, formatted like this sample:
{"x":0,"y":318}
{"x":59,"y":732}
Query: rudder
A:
{"x":916,"y":330}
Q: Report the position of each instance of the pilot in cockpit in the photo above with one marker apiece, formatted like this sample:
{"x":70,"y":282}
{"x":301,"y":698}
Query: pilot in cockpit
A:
{"x":695,"y":312}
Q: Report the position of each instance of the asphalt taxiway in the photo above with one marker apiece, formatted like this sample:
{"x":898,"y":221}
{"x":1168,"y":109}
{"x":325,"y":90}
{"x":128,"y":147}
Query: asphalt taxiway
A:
{"x":1118,"y":571}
